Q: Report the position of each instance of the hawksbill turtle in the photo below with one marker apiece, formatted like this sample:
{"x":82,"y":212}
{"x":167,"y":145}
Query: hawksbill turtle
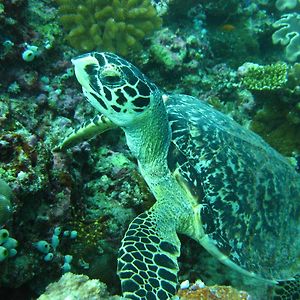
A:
{"x":213,"y":180}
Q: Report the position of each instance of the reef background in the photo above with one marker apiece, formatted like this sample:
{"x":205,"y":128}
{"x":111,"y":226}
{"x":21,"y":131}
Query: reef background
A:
{"x":226,"y":53}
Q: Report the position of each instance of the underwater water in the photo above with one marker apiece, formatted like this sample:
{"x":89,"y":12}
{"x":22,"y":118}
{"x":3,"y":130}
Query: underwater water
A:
{"x":65,"y":211}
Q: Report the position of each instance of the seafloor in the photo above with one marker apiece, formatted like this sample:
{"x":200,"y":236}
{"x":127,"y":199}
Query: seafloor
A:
{"x":243,"y":57}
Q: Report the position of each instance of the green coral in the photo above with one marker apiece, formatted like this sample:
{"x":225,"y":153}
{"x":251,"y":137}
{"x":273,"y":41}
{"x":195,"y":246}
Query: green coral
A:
{"x":108,"y":25}
{"x":288,"y":35}
{"x":294,"y":75}
{"x":279,"y":124}
{"x":168,"y":49}
{"x":269,"y":77}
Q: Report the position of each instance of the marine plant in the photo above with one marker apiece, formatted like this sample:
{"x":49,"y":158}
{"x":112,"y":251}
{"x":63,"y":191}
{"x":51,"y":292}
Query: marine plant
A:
{"x":109,"y":25}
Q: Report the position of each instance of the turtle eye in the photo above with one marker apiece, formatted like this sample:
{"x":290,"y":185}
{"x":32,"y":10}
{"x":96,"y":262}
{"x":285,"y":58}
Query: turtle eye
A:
{"x":111,"y":79}
{"x":110,"y":75}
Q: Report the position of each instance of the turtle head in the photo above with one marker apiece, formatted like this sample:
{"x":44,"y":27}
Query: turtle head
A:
{"x":115,"y":87}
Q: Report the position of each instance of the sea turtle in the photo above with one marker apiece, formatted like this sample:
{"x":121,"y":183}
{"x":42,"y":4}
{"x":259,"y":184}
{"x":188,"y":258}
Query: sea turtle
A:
{"x":213,"y":180}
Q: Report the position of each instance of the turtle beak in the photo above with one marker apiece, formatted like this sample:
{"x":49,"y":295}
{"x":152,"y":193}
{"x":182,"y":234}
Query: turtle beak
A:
{"x":81,"y":64}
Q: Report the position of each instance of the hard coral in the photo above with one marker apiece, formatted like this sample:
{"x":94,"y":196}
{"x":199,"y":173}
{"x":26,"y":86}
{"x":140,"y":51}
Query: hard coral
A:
{"x":72,"y":286}
{"x":285,"y":4}
{"x":111,"y":25}
{"x":279,"y":124}
{"x":216,"y":292}
{"x":287,"y":34}
{"x":169,"y":50}
{"x":269,"y":77}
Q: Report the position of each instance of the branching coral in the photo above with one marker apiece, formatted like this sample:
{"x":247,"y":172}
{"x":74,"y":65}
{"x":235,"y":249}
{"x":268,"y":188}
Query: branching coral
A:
{"x":110,"y":25}
{"x":288,"y":35}
{"x":269,"y":77}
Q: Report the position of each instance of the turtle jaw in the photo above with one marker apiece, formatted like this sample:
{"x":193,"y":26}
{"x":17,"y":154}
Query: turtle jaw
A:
{"x":80,"y":63}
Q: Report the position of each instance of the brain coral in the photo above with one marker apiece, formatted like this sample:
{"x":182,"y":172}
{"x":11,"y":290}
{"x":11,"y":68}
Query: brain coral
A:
{"x":108,"y":25}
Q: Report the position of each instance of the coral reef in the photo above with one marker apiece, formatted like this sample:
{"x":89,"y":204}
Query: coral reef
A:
{"x":257,"y":77}
{"x":279,"y":124}
{"x":294,"y":77}
{"x":171,"y":57}
{"x":95,"y":188}
{"x":220,"y":8}
{"x":19,"y":159}
{"x":71,"y":286}
{"x":25,"y":33}
{"x":233,"y":41}
{"x":277,"y":116}
{"x":116,"y":26}
{"x":199,"y":291}
{"x":287,"y":34}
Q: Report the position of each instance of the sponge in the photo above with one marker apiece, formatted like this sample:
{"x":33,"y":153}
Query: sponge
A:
{"x":5,"y":202}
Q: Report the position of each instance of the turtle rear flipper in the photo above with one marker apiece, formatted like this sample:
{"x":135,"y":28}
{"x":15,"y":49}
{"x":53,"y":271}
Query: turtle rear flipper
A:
{"x":147,"y":264}
{"x":288,"y":289}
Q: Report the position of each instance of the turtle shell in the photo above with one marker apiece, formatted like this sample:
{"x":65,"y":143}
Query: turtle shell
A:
{"x":249,"y":193}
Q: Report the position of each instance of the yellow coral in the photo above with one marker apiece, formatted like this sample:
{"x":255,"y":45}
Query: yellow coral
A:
{"x":216,"y":292}
{"x":269,"y":77}
{"x":108,"y":25}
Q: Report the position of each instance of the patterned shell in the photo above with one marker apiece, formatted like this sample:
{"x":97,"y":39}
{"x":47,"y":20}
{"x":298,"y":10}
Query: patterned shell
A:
{"x":250,"y":194}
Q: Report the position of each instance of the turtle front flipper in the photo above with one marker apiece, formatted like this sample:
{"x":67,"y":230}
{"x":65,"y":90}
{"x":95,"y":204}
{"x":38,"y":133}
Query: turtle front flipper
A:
{"x":147,"y":263}
{"x":287,"y":290}
{"x":85,"y":131}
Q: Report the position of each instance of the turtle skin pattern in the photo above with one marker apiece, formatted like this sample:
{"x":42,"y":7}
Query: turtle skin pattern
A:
{"x":215,"y":181}
{"x":147,"y":265}
{"x":249,"y":193}
{"x":287,"y":290}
